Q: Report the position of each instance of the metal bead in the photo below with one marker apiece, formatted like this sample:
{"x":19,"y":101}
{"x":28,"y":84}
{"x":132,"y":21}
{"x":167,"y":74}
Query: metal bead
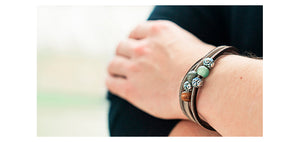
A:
{"x":197,"y":82}
{"x":191,"y":75}
{"x":187,"y":86}
{"x":208,"y":62}
{"x":186,"y":96}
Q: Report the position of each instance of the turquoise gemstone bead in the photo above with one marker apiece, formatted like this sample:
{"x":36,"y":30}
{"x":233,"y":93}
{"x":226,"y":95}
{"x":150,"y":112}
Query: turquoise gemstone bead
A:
{"x":203,"y":71}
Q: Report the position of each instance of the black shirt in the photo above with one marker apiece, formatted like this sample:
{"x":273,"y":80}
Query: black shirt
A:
{"x":239,"y":26}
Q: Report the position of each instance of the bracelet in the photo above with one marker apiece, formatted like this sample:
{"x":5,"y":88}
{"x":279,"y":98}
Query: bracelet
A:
{"x":193,"y":80}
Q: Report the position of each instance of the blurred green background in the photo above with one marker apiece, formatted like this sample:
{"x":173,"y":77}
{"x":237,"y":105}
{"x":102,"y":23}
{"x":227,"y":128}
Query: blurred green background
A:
{"x":75,"y":45}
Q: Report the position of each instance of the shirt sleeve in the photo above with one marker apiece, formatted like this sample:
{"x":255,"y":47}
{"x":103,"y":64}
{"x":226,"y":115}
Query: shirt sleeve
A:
{"x":208,"y":23}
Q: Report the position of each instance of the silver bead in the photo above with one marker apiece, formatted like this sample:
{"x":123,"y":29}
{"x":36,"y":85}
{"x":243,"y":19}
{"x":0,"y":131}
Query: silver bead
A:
{"x":197,"y":82}
{"x":187,"y":86}
{"x":208,"y":62}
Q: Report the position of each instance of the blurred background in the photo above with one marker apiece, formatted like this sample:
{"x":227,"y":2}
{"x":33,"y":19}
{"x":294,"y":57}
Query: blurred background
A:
{"x":75,"y":45}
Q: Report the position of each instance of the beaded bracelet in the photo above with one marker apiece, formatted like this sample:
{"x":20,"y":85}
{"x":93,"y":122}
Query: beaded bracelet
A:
{"x":193,"y":80}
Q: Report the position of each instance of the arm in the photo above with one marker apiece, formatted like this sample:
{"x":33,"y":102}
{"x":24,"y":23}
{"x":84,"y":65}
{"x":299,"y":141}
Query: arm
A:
{"x":189,"y":128}
{"x":151,"y":63}
{"x":231,"y":98}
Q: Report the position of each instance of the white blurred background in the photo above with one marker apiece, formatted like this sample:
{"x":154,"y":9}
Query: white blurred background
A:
{"x":75,"y":45}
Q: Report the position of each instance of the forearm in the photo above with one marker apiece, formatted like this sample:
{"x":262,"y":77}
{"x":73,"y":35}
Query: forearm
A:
{"x":189,"y":128}
{"x":231,"y":98}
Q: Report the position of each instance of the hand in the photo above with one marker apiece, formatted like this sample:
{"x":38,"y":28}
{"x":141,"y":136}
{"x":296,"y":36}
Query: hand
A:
{"x":149,"y":66}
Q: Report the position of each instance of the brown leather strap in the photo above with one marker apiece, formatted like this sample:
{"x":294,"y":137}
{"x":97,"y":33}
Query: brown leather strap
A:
{"x":189,"y":107}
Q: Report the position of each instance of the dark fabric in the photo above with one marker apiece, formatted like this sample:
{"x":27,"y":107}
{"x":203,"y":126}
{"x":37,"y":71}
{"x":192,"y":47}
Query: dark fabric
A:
{"x":239,"y":26}
{"x":127,"y":120}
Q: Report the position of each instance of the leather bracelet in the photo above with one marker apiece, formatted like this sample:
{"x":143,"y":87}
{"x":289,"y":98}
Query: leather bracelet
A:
{"x":193,"y":80}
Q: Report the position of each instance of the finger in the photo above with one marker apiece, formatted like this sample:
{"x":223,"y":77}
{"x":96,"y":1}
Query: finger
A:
{"x":126,"y":47}
{"x":116,"y":85}
{"x":141,"y":31}
{"x":118,"y":66}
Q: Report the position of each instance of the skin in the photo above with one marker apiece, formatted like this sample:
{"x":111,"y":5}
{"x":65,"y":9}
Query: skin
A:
{"x":150,"y":64}
{"x":188,"y":128}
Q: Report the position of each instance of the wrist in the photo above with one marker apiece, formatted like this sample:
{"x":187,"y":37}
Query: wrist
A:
{"x":208,"y":96}
{"x":199,"y":51}
{"x":193,"y":80}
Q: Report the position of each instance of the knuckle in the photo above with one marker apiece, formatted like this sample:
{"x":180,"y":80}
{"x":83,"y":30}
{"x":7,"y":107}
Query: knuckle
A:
{"x":112,"y":65}
{"x":109,"y":66}
{"x":159,"y":26}
{"x":138,"y":26}
{"x":140,"y":50}
{"x":134,"y":67}
{"x":119,"y":46}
